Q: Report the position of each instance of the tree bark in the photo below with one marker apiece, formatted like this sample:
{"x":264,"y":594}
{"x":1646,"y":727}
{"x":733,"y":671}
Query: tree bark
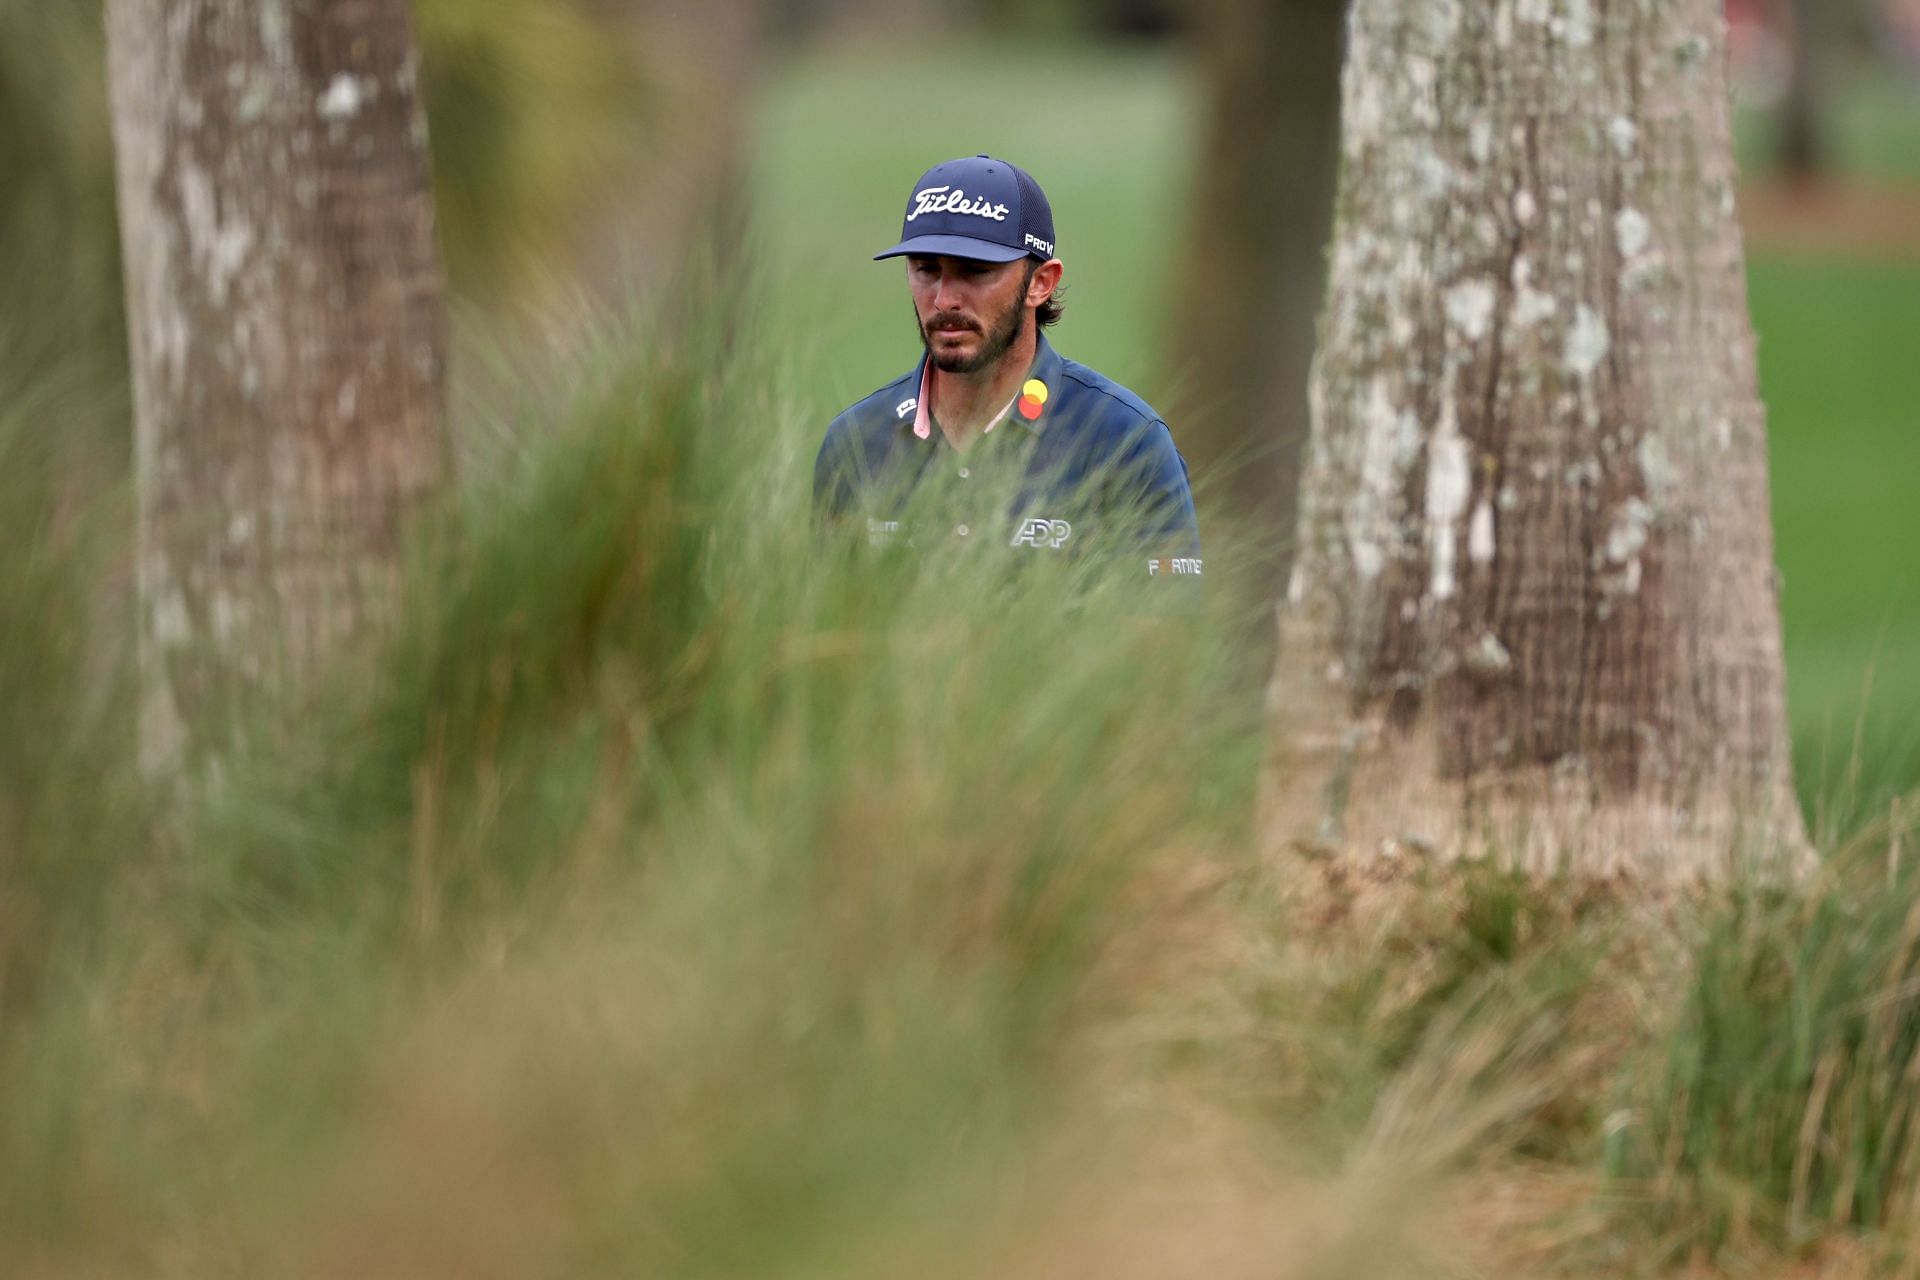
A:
{"x":1255,"y":265}
{"x":1534,"y":611}
{"x":287,"y":315}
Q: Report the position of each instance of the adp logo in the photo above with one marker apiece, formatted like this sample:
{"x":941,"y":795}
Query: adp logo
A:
{"x":1042,"y":533}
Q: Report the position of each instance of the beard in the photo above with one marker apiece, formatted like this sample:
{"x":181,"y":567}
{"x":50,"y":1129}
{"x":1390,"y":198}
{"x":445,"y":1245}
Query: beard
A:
{"x":994,"y":346}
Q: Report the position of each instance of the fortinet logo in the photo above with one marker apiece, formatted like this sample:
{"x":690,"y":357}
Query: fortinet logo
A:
{"x":954,"y":200}
{"x":1179,"y":567}
{"x":1035,"y":242}
{"x":1042,"y":533}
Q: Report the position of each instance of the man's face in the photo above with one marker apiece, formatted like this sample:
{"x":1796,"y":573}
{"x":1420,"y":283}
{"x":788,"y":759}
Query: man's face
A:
{"x":969,"y":312}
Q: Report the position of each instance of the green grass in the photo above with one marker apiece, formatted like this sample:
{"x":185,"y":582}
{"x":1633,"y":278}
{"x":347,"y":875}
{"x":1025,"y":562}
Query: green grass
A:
{"x":744,"y":895}
{"x":1842,"y":387}
{"x":1780,"y":1102}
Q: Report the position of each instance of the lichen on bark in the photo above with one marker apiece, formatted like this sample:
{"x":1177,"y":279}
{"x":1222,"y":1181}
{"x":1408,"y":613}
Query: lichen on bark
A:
{"x":1534,"y":612}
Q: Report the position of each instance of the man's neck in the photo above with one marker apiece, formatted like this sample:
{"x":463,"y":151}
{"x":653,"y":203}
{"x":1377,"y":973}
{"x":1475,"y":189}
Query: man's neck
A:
{"x":965,"y":403}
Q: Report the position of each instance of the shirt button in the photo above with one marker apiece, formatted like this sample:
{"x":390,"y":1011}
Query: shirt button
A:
{"x":964,"y":473}
{"x":961,"y":530}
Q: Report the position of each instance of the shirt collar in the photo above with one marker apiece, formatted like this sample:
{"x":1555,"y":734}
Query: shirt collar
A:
{"x":1029,"y":406}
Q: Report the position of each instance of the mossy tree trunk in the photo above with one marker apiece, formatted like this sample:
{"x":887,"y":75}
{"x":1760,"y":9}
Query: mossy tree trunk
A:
{"x":287,"y":316}
{"x":1534,"y":609}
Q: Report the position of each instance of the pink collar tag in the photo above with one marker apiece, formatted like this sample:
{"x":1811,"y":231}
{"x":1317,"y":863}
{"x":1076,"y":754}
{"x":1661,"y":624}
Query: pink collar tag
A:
{"x":923,"y":413}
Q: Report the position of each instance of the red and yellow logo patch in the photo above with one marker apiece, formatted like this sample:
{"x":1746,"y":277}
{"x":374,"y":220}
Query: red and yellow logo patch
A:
{"x":1033,"y":398}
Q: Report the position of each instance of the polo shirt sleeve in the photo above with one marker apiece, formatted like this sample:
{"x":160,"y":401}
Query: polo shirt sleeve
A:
{"x":1165,"y":497}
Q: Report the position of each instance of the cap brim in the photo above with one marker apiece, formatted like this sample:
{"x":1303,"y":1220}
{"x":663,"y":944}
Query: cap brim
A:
{"x":954,"y":247}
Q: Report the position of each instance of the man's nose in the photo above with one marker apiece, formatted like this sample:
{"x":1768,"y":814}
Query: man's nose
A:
{"x":948,"y":293}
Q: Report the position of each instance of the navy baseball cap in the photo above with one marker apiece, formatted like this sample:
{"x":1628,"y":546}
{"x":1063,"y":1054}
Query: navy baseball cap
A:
{"x":978,"y":208}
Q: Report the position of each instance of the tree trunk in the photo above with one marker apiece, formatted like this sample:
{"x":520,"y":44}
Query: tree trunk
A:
{"x":1803,"y":152}
{"x":1534,"y":612}
{"x":287,"y":316}
{"x":1255,"y":267}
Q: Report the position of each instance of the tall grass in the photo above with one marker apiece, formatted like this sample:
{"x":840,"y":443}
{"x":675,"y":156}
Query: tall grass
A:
{"x":680,"y":889}
{"x":68,"y":801}
{"x":1782,"y":1106}
{"x":729,"y":897}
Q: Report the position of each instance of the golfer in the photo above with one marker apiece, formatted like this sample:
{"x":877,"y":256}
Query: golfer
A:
{"x":1091,"y":464}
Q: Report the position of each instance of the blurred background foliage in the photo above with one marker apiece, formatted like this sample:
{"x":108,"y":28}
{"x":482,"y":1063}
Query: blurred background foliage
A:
{"x":827,"y":932}
{"x":59,"y":238}
{"x":533,"y":109}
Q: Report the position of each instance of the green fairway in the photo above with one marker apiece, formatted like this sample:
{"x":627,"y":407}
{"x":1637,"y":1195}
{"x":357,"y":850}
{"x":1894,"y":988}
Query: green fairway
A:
{"x":845,"y":133}
{"x":1840,"y":372}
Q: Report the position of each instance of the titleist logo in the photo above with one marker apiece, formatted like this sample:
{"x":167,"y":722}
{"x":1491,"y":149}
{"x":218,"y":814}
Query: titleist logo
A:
{"x":954,"y":200}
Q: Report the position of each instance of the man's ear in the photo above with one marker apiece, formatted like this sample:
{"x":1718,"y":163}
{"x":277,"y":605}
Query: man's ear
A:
{"x":1046,"y":278}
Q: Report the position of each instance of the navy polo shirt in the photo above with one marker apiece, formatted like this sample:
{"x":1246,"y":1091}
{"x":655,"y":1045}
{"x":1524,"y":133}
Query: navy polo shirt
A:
{"x":1078,"y":464}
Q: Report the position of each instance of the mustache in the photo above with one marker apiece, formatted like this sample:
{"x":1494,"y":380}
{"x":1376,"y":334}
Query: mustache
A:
{"x":950,"y":320}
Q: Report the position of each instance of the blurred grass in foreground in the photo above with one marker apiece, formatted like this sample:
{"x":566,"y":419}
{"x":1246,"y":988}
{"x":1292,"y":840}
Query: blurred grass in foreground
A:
{"x":720,"y":899}
{"x":677,"y":892}
{"x":68,"y":799}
